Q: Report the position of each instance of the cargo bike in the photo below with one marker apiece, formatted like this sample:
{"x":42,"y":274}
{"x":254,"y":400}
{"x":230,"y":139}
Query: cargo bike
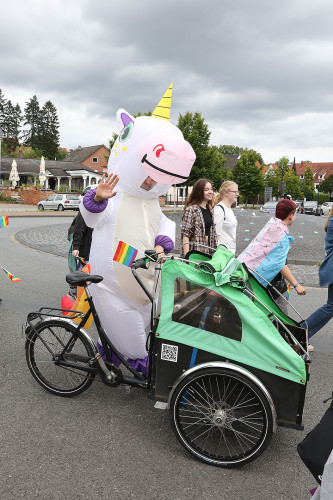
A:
{"x":228,"y":364}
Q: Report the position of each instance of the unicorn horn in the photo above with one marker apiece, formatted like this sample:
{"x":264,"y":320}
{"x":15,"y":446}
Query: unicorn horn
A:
{"x":162,"y":110}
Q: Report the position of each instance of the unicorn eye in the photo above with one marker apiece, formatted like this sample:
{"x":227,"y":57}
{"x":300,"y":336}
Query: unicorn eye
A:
{"x":126,"y":132}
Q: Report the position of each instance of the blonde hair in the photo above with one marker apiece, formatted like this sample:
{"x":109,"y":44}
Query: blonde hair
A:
{"x":224,"y":188}
{"x":328,"y":218}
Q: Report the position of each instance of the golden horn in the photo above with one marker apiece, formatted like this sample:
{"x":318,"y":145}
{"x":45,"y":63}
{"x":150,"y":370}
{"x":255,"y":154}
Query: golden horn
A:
{"x":162,"y":110}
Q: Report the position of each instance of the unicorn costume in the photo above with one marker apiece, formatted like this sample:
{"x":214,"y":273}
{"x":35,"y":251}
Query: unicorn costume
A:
{"x":147,"y":146}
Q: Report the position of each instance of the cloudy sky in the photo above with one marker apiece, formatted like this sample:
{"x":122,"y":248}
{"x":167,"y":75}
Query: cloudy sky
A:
{"x":261,"y":73}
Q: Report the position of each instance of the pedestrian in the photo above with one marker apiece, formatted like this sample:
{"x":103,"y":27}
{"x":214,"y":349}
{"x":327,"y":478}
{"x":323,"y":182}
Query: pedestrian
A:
{"x":224,"y":217}
{"x":198,"y":227}
{"x":79,"y":235}
{"x":321,"y":316}
{"x":267,"y":253}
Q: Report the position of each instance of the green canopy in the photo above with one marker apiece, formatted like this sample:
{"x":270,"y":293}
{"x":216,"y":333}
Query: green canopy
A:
{"x":261,"y":345}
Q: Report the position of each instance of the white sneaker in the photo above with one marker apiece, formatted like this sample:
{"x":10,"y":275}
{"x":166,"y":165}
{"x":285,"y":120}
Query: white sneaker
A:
{"x":310,"y":348}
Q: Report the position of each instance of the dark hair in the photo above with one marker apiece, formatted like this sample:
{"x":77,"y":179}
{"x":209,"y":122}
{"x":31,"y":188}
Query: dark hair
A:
{"x":197,"y":194}
{"x":285,"y":208}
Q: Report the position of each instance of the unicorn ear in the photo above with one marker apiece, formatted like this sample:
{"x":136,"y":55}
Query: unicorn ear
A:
{"x":123,"y":118}
{"x":162,"y":110}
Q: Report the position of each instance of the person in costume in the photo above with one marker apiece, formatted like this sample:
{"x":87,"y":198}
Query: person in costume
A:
{"x":198,"y":227}
{"x":321,"y":316}
{"x":267,"y":253}
{"x":225,"y":220}
{"x":149,"y":155}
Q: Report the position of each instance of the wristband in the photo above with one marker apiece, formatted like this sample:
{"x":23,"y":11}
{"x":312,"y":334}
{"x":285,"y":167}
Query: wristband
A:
{"x":295,"y":286}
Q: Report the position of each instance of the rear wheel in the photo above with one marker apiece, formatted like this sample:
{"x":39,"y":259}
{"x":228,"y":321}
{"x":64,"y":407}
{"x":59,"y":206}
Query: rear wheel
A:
{"x":44,"y":348}
{"x":40,"y":207}
{"x":61,"y":208}
{"x":221,"y":417}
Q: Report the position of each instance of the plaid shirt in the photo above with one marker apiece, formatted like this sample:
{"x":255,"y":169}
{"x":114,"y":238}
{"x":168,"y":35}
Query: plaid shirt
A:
{"x":193,"y":227}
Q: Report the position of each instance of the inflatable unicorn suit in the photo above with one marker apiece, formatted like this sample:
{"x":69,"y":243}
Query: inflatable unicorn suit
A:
{"x":149,"y":155}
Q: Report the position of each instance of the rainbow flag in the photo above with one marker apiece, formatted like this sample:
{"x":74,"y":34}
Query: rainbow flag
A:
{"x":125,"y":254}
{"x":84,"y":262}
{"x":288,"y":292}
{"x":10,"y":276}
{"x":3,"y":221}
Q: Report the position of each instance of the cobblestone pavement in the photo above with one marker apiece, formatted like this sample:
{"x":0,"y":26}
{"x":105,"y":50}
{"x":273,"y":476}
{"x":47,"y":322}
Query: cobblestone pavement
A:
{"x":305,"y":253}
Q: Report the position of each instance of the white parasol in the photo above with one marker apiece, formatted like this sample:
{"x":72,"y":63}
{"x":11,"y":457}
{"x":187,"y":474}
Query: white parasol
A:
{"x":14,"y":176}
{"x":42,"y":176}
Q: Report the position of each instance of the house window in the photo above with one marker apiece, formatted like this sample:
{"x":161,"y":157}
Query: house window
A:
{"x":95,"y":159}
{"x":181,"y":192}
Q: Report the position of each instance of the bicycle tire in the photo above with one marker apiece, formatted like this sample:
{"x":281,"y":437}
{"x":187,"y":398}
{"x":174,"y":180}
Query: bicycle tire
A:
{"x":221,"y":417}
{"x":59,"y":380}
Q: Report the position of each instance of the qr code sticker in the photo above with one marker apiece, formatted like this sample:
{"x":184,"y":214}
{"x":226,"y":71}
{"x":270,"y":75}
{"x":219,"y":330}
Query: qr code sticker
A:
{"x":169,"y":352}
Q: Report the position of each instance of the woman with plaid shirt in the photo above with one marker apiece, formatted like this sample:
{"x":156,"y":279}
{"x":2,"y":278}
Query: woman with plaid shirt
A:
{"x":198,"y":227}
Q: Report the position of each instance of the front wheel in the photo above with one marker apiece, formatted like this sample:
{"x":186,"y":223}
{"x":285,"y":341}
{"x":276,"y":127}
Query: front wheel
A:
{"x":45,"y":350}
{"x":61,"y":208}
{"x":221,"y":417}
{"x":40,"y":207}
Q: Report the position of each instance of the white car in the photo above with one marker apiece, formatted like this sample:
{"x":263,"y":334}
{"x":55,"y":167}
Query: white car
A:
{"x":60,"y":202}
{"x":326,"y":207}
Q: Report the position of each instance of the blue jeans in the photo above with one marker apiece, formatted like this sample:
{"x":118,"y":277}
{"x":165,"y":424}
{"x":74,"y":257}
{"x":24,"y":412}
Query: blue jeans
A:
{"x":321,"y":316}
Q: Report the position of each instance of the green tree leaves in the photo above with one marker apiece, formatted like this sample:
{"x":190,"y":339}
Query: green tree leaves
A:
{"x":247,"y":173}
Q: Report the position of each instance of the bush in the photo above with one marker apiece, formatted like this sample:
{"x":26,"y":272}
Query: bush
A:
{"x":6,"y":199}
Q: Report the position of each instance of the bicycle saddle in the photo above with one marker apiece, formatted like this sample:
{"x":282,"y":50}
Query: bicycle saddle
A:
{"x":79,"y":278}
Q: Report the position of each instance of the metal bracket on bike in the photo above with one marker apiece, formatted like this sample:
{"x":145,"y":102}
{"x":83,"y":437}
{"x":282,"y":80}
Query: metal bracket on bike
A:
{"x":110,"y":375}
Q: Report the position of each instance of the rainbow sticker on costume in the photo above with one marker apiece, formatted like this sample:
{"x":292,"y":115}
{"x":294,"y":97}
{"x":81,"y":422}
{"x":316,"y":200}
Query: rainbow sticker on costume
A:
{"x":3,"y":221}
{"x":13,"y":278}
{"x":125,"y":254}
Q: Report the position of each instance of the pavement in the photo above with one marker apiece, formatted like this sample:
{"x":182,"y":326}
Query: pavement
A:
{"x":109,"y":443}
{"x":306,"y":253}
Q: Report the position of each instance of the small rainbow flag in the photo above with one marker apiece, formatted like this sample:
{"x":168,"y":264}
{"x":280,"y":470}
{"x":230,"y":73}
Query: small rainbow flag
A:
{"x":10,"y":276}
{"x":84,"y":262}
{"x":288,"y":292}
{"x":125,"y":254}
{"x":3,"y":221}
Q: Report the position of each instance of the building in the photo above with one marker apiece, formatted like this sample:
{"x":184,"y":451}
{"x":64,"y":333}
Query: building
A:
{"x":81,"y":167}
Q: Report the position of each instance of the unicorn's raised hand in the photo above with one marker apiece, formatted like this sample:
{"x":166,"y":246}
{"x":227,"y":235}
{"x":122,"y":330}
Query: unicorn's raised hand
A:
{"x":105,"y":189}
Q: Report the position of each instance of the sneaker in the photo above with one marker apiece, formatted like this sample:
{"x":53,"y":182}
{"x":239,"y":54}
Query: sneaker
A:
{"x":310,"y":348}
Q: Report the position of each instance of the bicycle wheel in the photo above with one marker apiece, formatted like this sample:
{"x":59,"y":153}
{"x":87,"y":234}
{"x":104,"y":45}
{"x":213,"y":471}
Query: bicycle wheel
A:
{"x":221,"y":417}
{"x":43,"y":350}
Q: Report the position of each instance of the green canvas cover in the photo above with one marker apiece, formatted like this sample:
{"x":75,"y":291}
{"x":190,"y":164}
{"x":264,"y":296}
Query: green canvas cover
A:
{"x":261,"y":345}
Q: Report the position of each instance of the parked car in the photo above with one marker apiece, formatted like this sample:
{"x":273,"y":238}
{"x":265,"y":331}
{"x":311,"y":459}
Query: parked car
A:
{"x":326,"y":207}
{"x":312,"y":208}
{"x":269,"y":206}
{"x":60,"y":202}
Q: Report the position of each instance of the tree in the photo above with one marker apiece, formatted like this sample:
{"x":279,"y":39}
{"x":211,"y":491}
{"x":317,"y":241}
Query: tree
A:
{"x":308,"y":189}
{"x":32,"y":118}
{"x":247,"y":173}
{"x":271,"y":180}
{"x":209,"y":161}
{"x":48,"y":138}
{"x":327,"y":185}
{"x":294,"y":166}
{"x":227,"y":149}
{"x":293,"y":185}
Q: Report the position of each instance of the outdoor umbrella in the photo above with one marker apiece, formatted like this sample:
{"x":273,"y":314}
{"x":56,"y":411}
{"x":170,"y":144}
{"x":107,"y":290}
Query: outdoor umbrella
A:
{"x":14,"y":176}
{"x":42,"y":176}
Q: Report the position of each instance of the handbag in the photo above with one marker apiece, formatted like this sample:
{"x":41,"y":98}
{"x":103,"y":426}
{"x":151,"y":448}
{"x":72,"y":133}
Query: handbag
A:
{"x":316,"y":447}
{"x":280,"y":284}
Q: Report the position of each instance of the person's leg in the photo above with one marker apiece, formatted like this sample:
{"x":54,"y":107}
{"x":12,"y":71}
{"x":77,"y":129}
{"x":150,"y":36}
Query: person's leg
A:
{"x":321,"y":316}
{"x":282,"y":303}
